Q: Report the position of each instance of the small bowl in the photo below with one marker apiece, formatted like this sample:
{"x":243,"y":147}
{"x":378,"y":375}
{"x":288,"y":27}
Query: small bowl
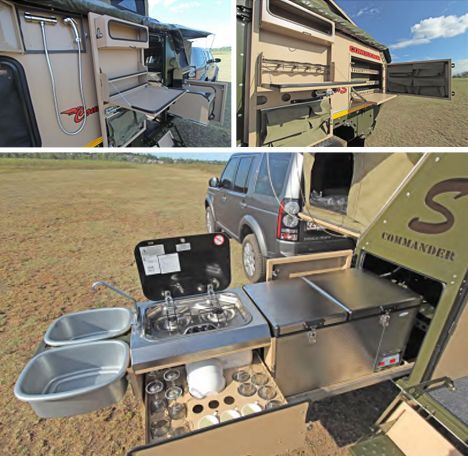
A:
{"x":229,"y":415}
{"x":249,"y":409}
{"x":207,"y":421}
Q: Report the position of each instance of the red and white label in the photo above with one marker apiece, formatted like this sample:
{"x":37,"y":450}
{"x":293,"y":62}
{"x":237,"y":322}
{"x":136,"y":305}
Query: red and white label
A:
{"x":218,"y":239}
{"x":364,"y":53}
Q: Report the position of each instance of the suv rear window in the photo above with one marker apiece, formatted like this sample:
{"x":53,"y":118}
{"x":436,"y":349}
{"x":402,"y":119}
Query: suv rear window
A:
{"x":277,"y":165}
{"x":242,"y":176}
{"x":227,"y":179}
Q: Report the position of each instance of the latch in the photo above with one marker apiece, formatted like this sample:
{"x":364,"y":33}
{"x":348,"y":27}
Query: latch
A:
{"x":384,"y":319}
{"x":311,"y":333}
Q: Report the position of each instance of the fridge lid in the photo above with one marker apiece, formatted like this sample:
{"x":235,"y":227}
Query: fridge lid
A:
{"x":293,"y":305}
{"x":184,"y":265}
{"x":364,"y":293}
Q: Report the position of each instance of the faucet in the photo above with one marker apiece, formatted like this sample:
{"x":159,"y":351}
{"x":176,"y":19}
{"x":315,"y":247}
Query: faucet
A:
{"x":114,"y":289}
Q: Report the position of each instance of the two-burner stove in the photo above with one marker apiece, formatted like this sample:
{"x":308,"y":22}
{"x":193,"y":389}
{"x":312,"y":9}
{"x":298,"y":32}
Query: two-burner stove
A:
{"x":187,"y":316}
{"x":195,"y":328}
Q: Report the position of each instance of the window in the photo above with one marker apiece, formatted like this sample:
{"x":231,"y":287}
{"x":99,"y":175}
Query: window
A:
{"x":136,"y":6}
{"x":227,"y":179}
{"x":198,"y":57}
{"x":274,"y":166}
{"x":18,"y":126}
{"x":242,"y":176}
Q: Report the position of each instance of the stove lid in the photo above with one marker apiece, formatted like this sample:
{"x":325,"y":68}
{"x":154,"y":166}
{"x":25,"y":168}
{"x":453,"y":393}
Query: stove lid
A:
{"x":184,"y":265}
{"x":364,"y":293}
{"x":293,"y":305}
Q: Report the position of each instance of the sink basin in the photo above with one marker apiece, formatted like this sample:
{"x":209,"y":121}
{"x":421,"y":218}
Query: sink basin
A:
{"x":88,"y":326}
{"x":76,"y":379}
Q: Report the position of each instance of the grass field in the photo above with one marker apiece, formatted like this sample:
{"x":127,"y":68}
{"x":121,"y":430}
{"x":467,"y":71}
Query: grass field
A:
{"x":68,"y":223}
{"x":414,"y":121}
{"x":225,"y":65}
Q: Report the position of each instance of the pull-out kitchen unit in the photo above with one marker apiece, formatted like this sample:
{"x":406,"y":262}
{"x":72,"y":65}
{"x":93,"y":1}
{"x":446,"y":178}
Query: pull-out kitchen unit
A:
{"x":297,"y":335}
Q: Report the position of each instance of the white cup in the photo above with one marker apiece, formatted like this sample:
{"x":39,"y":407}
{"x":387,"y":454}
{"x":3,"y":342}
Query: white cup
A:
{"x":205,"y":378}
{"x":229,"y":415}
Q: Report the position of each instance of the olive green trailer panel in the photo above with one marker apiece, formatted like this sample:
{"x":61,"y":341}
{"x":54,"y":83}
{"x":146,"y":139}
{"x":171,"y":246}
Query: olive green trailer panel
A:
{"x":375,"y":178}
{"x":431,"y":78}
{"x":423,"y":229}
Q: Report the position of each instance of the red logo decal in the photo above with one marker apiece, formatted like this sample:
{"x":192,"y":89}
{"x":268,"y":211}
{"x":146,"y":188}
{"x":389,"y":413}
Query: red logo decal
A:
{"x":364,"y":53}
{"x":218,"y":239}
{"x":343,"y":89}
{"x":78,"y":112}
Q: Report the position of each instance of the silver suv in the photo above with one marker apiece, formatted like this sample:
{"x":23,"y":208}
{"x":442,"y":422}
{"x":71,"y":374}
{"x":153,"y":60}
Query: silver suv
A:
{"x":255,"y":202}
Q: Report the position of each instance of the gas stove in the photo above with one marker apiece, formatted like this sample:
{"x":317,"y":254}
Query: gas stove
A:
{"x":181,"y":330}
{"x":194,"y":315}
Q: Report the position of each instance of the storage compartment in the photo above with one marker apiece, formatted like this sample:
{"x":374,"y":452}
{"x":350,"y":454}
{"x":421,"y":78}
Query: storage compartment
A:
{"x":204,"y":102}
{"x":116,"y":33}
{"x":288,"y":18}
{"x":88,"y":326}
{"x":334,"y":327}
{"x":301,"y":124}
{"x":331,"y":179}
{"x":371,"y":73}
{"x":75,"y":379}
{"x":213,"y":410}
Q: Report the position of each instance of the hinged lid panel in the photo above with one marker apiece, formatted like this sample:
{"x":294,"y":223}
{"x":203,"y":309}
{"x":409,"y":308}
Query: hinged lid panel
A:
{"x":183,"y":265}
{"x":293,"y":305}
{"x":364,"y":293}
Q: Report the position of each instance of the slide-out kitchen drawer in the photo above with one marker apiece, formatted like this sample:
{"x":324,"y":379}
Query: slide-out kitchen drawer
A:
{"x":269,"y":431}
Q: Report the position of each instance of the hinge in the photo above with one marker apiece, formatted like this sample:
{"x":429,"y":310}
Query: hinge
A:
{"x":244,"y":14}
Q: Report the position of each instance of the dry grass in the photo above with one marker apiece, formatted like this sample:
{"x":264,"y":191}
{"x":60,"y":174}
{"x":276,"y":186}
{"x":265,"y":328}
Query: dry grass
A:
{"x":66,"y":224}
{"x":413,"y":121}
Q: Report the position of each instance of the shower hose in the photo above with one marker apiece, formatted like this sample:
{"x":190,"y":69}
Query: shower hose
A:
{"x":52,"y":79}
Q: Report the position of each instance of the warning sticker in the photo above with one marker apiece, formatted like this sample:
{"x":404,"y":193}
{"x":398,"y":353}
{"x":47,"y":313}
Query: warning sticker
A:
{"x":169,"y":263}
{"x":149,"y":256}
{"x":183,"y":247}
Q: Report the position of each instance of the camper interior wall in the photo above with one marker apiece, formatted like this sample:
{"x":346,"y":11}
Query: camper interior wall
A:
{"x":64,"y":60}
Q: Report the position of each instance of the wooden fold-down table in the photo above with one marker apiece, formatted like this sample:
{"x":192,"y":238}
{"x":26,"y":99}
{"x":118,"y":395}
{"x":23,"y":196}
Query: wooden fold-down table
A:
{"x":379,"y":98}
{"x":147,"y":99}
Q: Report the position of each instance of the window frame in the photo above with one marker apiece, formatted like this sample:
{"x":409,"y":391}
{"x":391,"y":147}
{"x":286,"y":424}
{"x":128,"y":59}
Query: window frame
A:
{"x":25,"y":99}
{"x":232,"y":159}
{"x":259,"y":174}
{"x":245,"y":189}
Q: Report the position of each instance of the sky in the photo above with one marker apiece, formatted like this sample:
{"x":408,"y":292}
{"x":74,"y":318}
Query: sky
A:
{"x":214,"y":16}
{"x":415,"y":29}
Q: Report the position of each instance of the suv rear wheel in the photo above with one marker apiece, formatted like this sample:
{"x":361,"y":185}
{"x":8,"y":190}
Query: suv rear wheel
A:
{"x":210,"y":221}
{"x":252,"y":259}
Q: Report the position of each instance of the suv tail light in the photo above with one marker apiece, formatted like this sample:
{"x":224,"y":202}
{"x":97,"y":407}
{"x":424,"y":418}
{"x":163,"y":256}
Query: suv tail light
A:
{"x":287,"y":228}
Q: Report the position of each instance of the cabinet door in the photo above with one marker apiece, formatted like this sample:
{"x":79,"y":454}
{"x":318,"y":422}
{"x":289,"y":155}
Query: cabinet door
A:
{"x":431,"y":78}
{"x":204,"y":102}
{"x":268,"y":433}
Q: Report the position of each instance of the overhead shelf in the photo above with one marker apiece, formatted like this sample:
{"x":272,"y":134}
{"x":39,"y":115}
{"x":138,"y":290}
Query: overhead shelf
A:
{"x":315,"y":85}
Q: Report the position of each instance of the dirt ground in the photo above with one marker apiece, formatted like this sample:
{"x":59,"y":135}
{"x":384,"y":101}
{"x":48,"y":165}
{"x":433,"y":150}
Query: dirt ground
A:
{"x":66,"y":224}
{"x":413,"y":121}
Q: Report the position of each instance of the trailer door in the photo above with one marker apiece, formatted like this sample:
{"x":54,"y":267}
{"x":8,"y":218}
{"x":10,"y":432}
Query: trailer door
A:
{"x":431,"y":78}
{"x":204,"y":102}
